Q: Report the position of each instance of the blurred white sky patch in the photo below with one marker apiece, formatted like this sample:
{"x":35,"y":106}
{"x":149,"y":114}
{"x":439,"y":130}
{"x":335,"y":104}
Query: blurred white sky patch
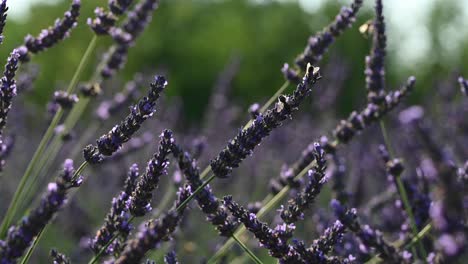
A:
{"x":20,"y":8}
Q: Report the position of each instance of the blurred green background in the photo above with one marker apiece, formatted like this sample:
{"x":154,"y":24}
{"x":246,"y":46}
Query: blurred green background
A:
{"x":193,"y":40}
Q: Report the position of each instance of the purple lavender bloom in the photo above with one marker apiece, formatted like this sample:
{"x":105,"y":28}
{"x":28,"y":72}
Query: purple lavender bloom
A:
{"x":136,"y":22}
{"x":8,"y":86}
{"x":273,"y":240}
{"x":140,"y":202}
{"x":3,"y":17}
{"x":296,"y":207}
{"x":20,"y":237}
{"x":368,"y":236}
{"x":316,"y":253}
{"x":247,"y":139}
{"x":154,"y":232}
{"x":103,"y":21}
{"x":59,"y":258}
{"x":64,"y":99}
{"x":117,"y":220}
{"x":118,"y":7}
{"x":208,"y":202}
{"x":112,"y":141}
{"x":463,"y":85}
{"x":318,"y":44}
{"x":171,"y":258}
{"x":6,"y":145}
{"x":26,"y":78}
{"x":375,"y":70}
{"x":51,"y":36}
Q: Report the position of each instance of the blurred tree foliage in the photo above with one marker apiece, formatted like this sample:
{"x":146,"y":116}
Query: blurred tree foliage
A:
{"x":192,"y":40}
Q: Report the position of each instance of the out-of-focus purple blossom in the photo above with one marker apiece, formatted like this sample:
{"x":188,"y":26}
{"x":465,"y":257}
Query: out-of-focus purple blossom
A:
{"x":20,"y":237}
{"x":117,"y":219}
{"x":112,"y":141}
{"x":118,"y":7}
{"x":59,"y":258}
{"x":140,"y":201}
{"x":26,"y":78}
{"x":411,"y":114}
{"x":247,"y":139}
{"x":154,"y":232}
{"x":6,"y":146}
{"x":51,"y":36}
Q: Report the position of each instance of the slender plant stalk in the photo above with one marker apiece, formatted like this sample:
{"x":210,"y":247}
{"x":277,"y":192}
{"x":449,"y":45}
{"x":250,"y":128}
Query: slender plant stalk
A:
{"x":247,"y":250}
{"x":19,"y":194}
{"x":403,"y":195}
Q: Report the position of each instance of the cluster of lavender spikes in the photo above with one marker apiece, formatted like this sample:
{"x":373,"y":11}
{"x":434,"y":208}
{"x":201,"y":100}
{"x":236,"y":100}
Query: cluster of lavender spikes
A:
{"x":441,"y":207}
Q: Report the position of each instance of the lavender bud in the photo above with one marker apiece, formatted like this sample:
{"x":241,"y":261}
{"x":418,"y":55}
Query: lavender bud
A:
{"x":268,"y":238}
{"x":254,"y":110}
{"x":290,"y":74}
{"x":368,"y":236}
{"x":20,"y":237}
{"x":65,"y":100}
{"x":117,"y":219}
{"x":59,"y":258}
{"x":318,"y":44}
{"x":3,"y":17}
{"x":297,"y":206}
{"x":113,"y":140}
{"x":51,"y":36}
{"x":115,"y":60}
{"x":207,"y":201}
{"x":103,"y":21}
{"x":375,"y":70}
{"x":247,"y":139}
{"x":156,"y":167}
{"x":8,"y":87}
{"x":139,"y":17}
{"x":118,"y":7}
{"x":155,"y":232}
{"x":171,"y":258}
{"x":463,"y":85}
{"x":6,"y":145}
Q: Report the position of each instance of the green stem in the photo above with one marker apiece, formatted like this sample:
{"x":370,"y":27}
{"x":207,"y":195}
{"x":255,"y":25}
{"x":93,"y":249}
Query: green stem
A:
{"x":247,"y":250}
{"x":404,"y":196}
{"x":28,"y":176}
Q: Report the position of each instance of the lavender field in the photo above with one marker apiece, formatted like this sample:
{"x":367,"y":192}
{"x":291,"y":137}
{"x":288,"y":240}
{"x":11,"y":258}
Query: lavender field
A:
{"x":155,"y":131}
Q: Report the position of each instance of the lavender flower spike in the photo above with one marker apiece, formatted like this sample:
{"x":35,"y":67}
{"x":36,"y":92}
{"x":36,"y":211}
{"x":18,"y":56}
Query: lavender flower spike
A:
{"x":51,"y":36}
{"x":20,"y":237}
{"x":59,"y":258}
{"x":171,"y":258}
{"x":463,"y":85}
{"x":296,"y":207}
{"x":118,"y":7}
{"x":154,"y":232}
{"x":141,"y":198}
{"x":274,"y":240}
{"x":8,"y":87}
{"x":3,"y":16}
{"x":368,"y":236}
{"x":247,"y":139}
{"x":375,"y":70}
{"x":207,"y":201}
{"x":113,"y":140}
{"x":319,"y":43}
{"x":117,"y":220}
